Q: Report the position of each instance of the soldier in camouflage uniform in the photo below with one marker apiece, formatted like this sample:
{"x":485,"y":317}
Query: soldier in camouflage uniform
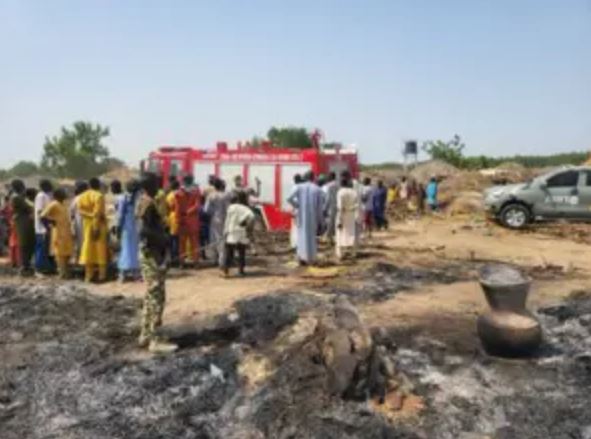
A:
{"x":153,"y":245}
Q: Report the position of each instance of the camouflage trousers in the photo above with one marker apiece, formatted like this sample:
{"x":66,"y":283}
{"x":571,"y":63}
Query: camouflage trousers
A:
{"x":153,"y":308}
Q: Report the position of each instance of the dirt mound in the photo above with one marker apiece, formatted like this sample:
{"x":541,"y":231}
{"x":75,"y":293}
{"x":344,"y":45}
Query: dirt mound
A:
{"x":464,"y":181}
{"x":462,"y":192}
{"x":511,"y":166}
{"x":122,"y":174}
{"x":433,"y":168}
{"x":467,"y":181}
{"x":508,"y":173}
{"x":387,"y":175}
{"x":466,"y":203}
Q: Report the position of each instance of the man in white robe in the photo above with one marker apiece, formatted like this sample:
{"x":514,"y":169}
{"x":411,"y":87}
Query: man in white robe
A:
{"x":293,"y":231}
{"x":347,"y":218}
{"x":308,"y":201}
{"x":216,"y":207}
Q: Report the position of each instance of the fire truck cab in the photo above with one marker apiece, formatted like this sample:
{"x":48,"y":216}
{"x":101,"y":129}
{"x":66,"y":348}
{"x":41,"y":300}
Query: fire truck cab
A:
{"x":274,"y":167}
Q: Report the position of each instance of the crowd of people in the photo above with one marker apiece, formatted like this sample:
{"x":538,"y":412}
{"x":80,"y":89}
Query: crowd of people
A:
{"x":341,"y":210}
{"x":49,"y":232}
{"x":149,"y":230}
{"x":142,"y":229}
{"x":46,"y":231}
{"x":345,"y":210}
{"x":412,"y":196}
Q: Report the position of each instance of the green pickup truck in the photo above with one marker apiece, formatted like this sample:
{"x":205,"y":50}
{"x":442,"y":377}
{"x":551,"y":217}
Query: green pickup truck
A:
{"x":561,"y":194}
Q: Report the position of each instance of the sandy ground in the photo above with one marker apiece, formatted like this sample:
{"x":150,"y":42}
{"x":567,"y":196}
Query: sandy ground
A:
{"x":466,"y":239}
{"x":439,"y":309}
{"x":195,"y":294}
{"x":446,"y":311}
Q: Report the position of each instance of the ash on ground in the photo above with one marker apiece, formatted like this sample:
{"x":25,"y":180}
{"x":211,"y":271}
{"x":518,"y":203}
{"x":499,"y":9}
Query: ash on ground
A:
{"x":67,"y":373}
{"x":483,"y":397}
{"x":381,"y":281}
{"x":266,"y":371}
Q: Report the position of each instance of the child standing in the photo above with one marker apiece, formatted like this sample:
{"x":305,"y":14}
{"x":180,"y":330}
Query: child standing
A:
{"x":238,"y":219}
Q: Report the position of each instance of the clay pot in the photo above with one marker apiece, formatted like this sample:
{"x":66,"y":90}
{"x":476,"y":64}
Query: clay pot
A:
{"x":509,"y":334}
{"x":508,"y":329}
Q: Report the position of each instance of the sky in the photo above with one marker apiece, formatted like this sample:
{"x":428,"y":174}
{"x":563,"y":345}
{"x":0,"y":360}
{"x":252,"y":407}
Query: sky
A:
{"x":508,"y":76}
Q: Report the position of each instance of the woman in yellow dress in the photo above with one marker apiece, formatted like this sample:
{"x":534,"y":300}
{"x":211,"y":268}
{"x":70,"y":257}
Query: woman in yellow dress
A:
{"x":173,"y":222}
{"x":392,"y":194}
{"x":95,"y":253}
{"x":62,"y":244}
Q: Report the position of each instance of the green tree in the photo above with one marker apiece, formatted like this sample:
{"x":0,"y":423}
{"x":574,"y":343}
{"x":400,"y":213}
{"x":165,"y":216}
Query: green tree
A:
{"x":24,"y":169}
{"x":257,"y":142}
{"x":78,"y":152}
{"x":450,"y":151}
{"x":289,"y":137}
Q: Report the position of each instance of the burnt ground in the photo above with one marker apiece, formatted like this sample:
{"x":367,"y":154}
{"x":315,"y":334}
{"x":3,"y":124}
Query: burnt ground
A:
{"x":69,"y":371}
{"x":65,"y":374}
{"x":381,"y":281}
{"x":472,"y":394}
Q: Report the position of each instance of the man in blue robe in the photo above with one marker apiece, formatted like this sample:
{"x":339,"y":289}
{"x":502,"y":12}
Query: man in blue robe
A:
{"x":128,"y":261}
{"x":380,"y":195}
{"x":432,"y":189}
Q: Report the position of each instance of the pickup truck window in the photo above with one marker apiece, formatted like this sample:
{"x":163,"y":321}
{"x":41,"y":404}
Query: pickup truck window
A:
{"x":564,"y":179}
{"x":588,"y":178}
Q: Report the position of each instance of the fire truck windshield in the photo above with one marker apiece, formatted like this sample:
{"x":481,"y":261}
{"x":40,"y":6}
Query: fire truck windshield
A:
{"x":153,"y":166}
{"x":175,"y":167}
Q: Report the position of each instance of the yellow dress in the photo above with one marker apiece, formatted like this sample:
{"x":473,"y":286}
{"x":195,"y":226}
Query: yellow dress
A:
{"x":392,"y":195}
{"x":91,"y":205}
{"x":173,"y":223}
{"x":62,"y":244}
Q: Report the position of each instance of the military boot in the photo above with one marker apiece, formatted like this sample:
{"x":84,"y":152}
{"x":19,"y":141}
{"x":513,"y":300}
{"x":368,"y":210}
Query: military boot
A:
{"x":143,"y":341}
{"x":158,"y":346}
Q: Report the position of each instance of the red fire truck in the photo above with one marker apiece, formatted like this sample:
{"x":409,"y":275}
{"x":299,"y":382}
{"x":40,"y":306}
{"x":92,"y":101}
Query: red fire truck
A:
{"x":274,"y":167}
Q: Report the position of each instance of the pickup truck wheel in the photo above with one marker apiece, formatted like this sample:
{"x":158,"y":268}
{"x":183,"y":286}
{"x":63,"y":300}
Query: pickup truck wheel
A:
{"x":515,"y":216}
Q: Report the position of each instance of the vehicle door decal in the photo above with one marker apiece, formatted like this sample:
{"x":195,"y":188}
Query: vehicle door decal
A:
{"x":573,"y":200}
